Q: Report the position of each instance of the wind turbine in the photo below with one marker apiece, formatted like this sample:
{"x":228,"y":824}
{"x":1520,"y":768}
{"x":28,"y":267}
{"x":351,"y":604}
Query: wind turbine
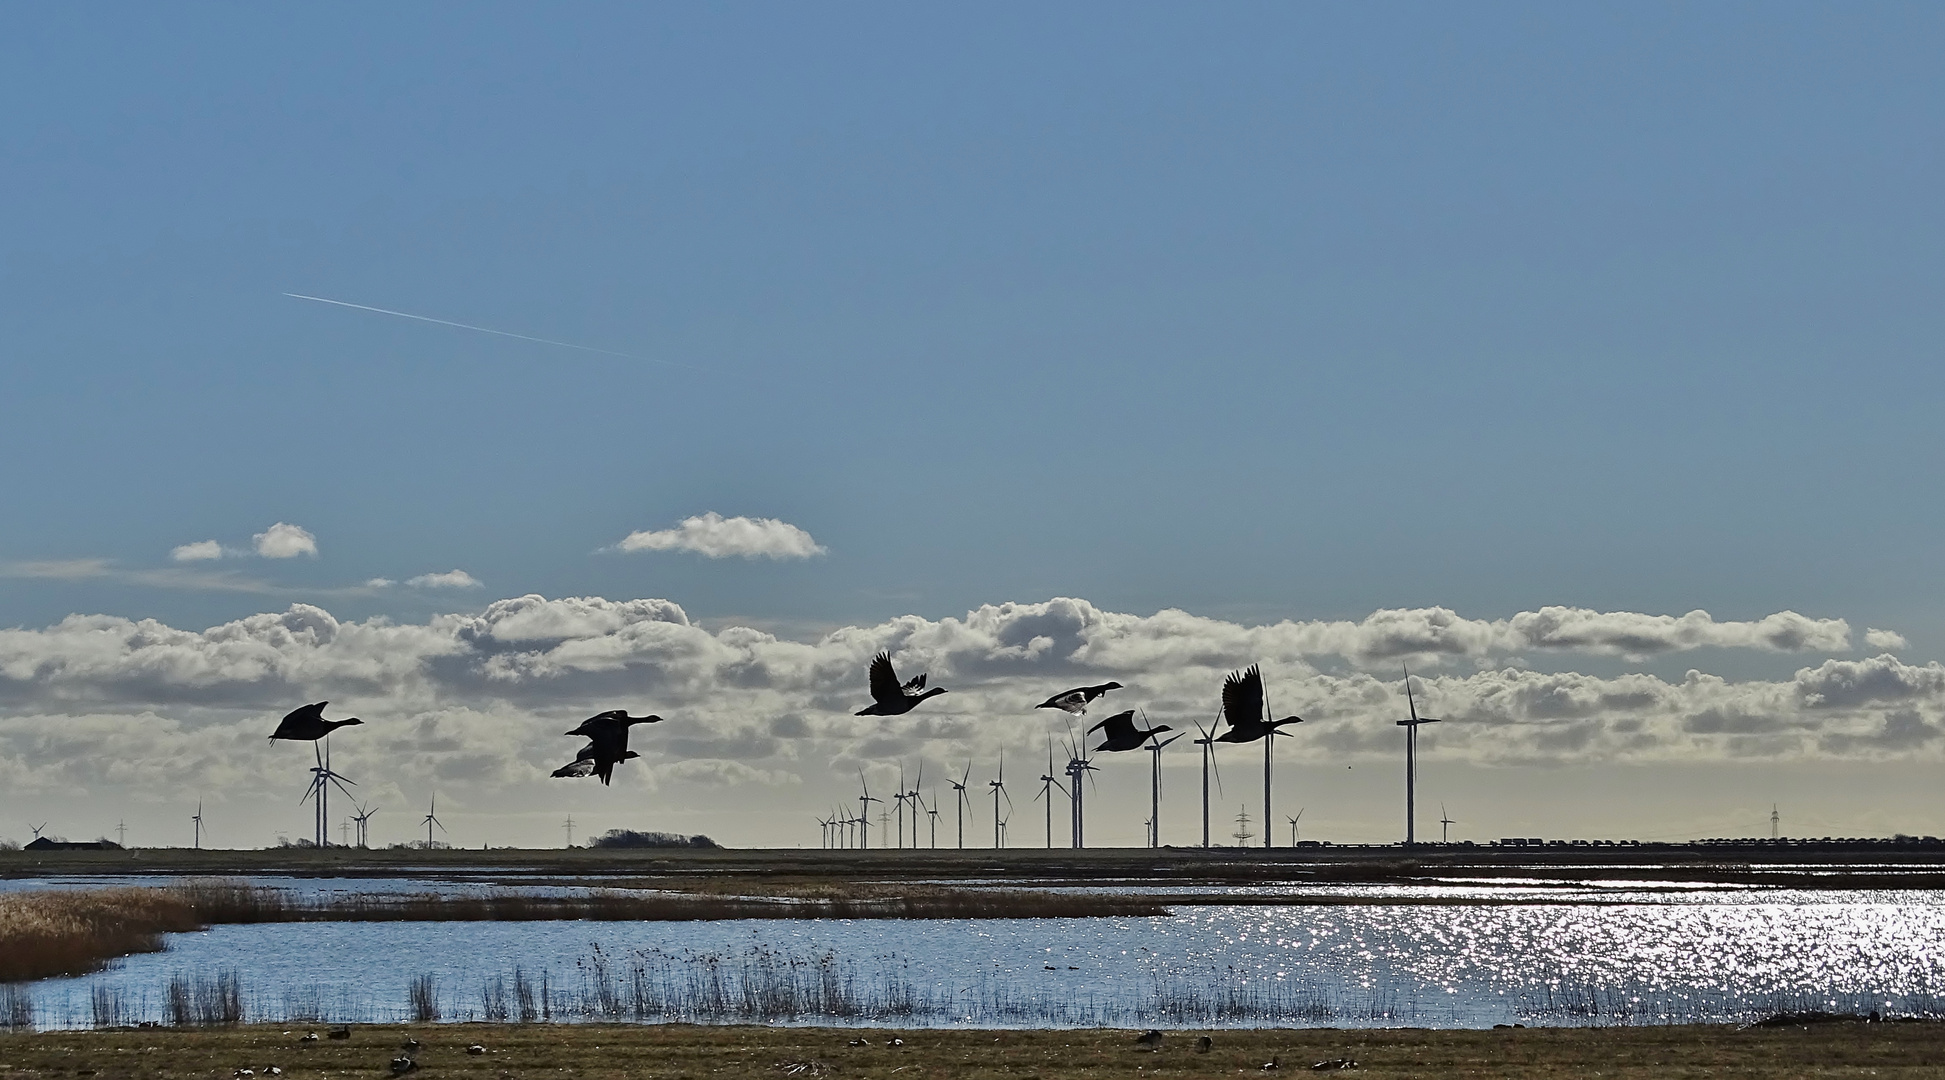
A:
{"x":1445,"y":822}
{"x":917,"y":801}
{"x":363,"y":818}
{"x":1047,"y":787}
{"x":1208,"y":744}
{"x":196,"y":817}
{"x":1411,"y":760}
{"x":1077,"y":767}
{"x":43,"y":825}
{"x":961,"y":800}
{"x":864,"y":812}
{"x":999,"y":792}
{"x":431,"y":819}
{"x":1293,"y":826}
{"x":933,"y":812}
{"x":1154,"y":748}
{"x":321,"y":780}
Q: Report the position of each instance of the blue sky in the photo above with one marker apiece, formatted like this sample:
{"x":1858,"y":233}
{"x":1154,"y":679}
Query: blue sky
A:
{"x":1264,"y":312}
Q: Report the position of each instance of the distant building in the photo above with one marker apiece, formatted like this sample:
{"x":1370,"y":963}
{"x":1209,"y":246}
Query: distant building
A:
{"x":44,"y":844}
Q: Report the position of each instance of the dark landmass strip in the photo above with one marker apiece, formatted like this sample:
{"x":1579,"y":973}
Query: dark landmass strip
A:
{"x":1885,"y":864}
{"x":667,"y":1052}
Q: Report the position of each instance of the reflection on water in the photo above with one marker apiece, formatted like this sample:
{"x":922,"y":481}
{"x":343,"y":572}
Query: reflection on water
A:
{"x":1730,"y":958}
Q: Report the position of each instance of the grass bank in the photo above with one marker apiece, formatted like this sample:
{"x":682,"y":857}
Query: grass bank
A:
{"x":71,"y":932}
{"x":677,"y":1052}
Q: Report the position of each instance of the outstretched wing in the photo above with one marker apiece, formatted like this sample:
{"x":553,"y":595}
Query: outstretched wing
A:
{"x":914,"y":685}
{"x":1120,"y":727}
{"x":884,"y":681}
{"x":299,"y":720}
{"x":1242,"y":697}
{"x":577,"y":767}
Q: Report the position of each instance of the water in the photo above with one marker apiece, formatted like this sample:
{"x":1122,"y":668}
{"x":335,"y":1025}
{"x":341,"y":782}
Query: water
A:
{"x":1659,"y":957}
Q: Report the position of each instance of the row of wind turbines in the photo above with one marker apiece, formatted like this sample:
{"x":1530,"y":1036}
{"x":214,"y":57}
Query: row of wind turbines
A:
{"x":1244,"y":711}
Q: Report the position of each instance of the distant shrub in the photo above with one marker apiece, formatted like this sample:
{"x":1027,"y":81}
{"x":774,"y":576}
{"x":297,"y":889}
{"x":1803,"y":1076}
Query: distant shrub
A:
{"x":630,"y":838}
{"x":9,"y":845}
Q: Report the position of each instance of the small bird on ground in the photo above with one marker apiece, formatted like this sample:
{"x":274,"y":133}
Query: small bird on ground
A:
{"x":1332,"y":1064}
{"x":402,"y":1065}
{"x":1150,"y":1038}
{"x":1203,"y":1044}
{"x":889,"y":697}
{"x":1078,"y":699}
{"x":1270,"y":1066}
{"x":1242,"y":706}
{"x":476,"y":1049}
{"x":307,"y":724}
{"x":409,"y":1044}
{"x":309,"y":1037}
{"x":1122,"y":733}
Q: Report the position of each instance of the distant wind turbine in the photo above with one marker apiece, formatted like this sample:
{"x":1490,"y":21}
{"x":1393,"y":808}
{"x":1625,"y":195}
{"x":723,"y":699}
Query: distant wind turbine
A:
{"x":431,"y":819}
{"x":1411,"y":760}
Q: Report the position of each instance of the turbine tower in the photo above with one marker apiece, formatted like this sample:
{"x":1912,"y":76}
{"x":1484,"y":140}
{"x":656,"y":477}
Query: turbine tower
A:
{"x":1293,"y":826}
{"x":1411,"y":760}
{"x":363,"y":818}
{"x":197,"y":817}
{"x":1445,"y":823}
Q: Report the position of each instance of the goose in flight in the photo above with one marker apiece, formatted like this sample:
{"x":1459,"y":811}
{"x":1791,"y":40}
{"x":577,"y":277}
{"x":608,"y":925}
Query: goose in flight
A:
{"x":607,"y":735}
{"x":1242,"y":706}
{"x":1122,"y":733}
{"x":612,"y":722}
{"x":308,"y":724}
{"x":1078,"y":699}
{"x":590,"y":763}
{"x":889,"y":697}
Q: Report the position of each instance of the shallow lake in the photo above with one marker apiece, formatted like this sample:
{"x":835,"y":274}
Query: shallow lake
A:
{"x":1645,"y":955}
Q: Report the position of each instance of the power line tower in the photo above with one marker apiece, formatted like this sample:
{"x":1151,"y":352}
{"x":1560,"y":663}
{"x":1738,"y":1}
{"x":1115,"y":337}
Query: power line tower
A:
{"x":121,"y":832}
{"x":1242,"y":833}
{"x":570,"y":830}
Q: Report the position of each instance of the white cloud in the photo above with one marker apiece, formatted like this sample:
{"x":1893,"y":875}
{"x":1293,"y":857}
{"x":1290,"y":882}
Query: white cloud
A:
{"x":285,"y":541}
{"x":197,"y":552}
{"x":1887,"y":640}
{"x":60,"y":569}
{"x":380,"y":583}
{"x":451,"y":579}
{"x":718,"y":537}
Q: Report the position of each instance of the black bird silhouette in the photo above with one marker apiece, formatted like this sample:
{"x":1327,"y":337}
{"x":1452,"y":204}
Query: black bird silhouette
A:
{"x":1122,"y":733}
{"x":888,"y":696}
{"x":611,"y":722}
{"x":588,"y":764}
{"x":607,"y":735}
{"x":1242,"y":706}
{"x":1078,"y":699}
{"x":308,"y":724}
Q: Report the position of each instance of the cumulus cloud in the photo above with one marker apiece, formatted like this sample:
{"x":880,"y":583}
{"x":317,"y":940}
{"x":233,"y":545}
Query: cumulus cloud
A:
{"x":285,"y":541}
{"x":1886,"y":640}
{"x":197,"y":552}
{"x":718,"y":537}
{"x":451,"y":579}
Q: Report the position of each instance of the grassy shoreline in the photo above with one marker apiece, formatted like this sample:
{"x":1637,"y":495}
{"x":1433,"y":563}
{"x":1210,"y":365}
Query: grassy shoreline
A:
{"x":677,"y":1052}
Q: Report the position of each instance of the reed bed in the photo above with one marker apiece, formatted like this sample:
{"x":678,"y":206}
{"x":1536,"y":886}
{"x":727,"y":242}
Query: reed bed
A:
{"x":44,"y":934}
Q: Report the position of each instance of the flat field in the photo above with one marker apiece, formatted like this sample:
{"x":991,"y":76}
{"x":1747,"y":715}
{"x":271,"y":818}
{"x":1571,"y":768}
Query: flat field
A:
{"x":669,"y":1052}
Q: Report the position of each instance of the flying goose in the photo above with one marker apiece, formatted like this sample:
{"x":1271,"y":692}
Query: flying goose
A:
{"x":1122,"y":733}
{"x":1242,"y":706}
{"x":307,"y":724}
{"x":888,"y":696}
{"x":1078,"y":699}
{"x":589,"y":764}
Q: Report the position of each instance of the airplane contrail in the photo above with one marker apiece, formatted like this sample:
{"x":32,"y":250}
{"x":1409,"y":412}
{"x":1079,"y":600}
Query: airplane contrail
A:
{"x":479,"y":329}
